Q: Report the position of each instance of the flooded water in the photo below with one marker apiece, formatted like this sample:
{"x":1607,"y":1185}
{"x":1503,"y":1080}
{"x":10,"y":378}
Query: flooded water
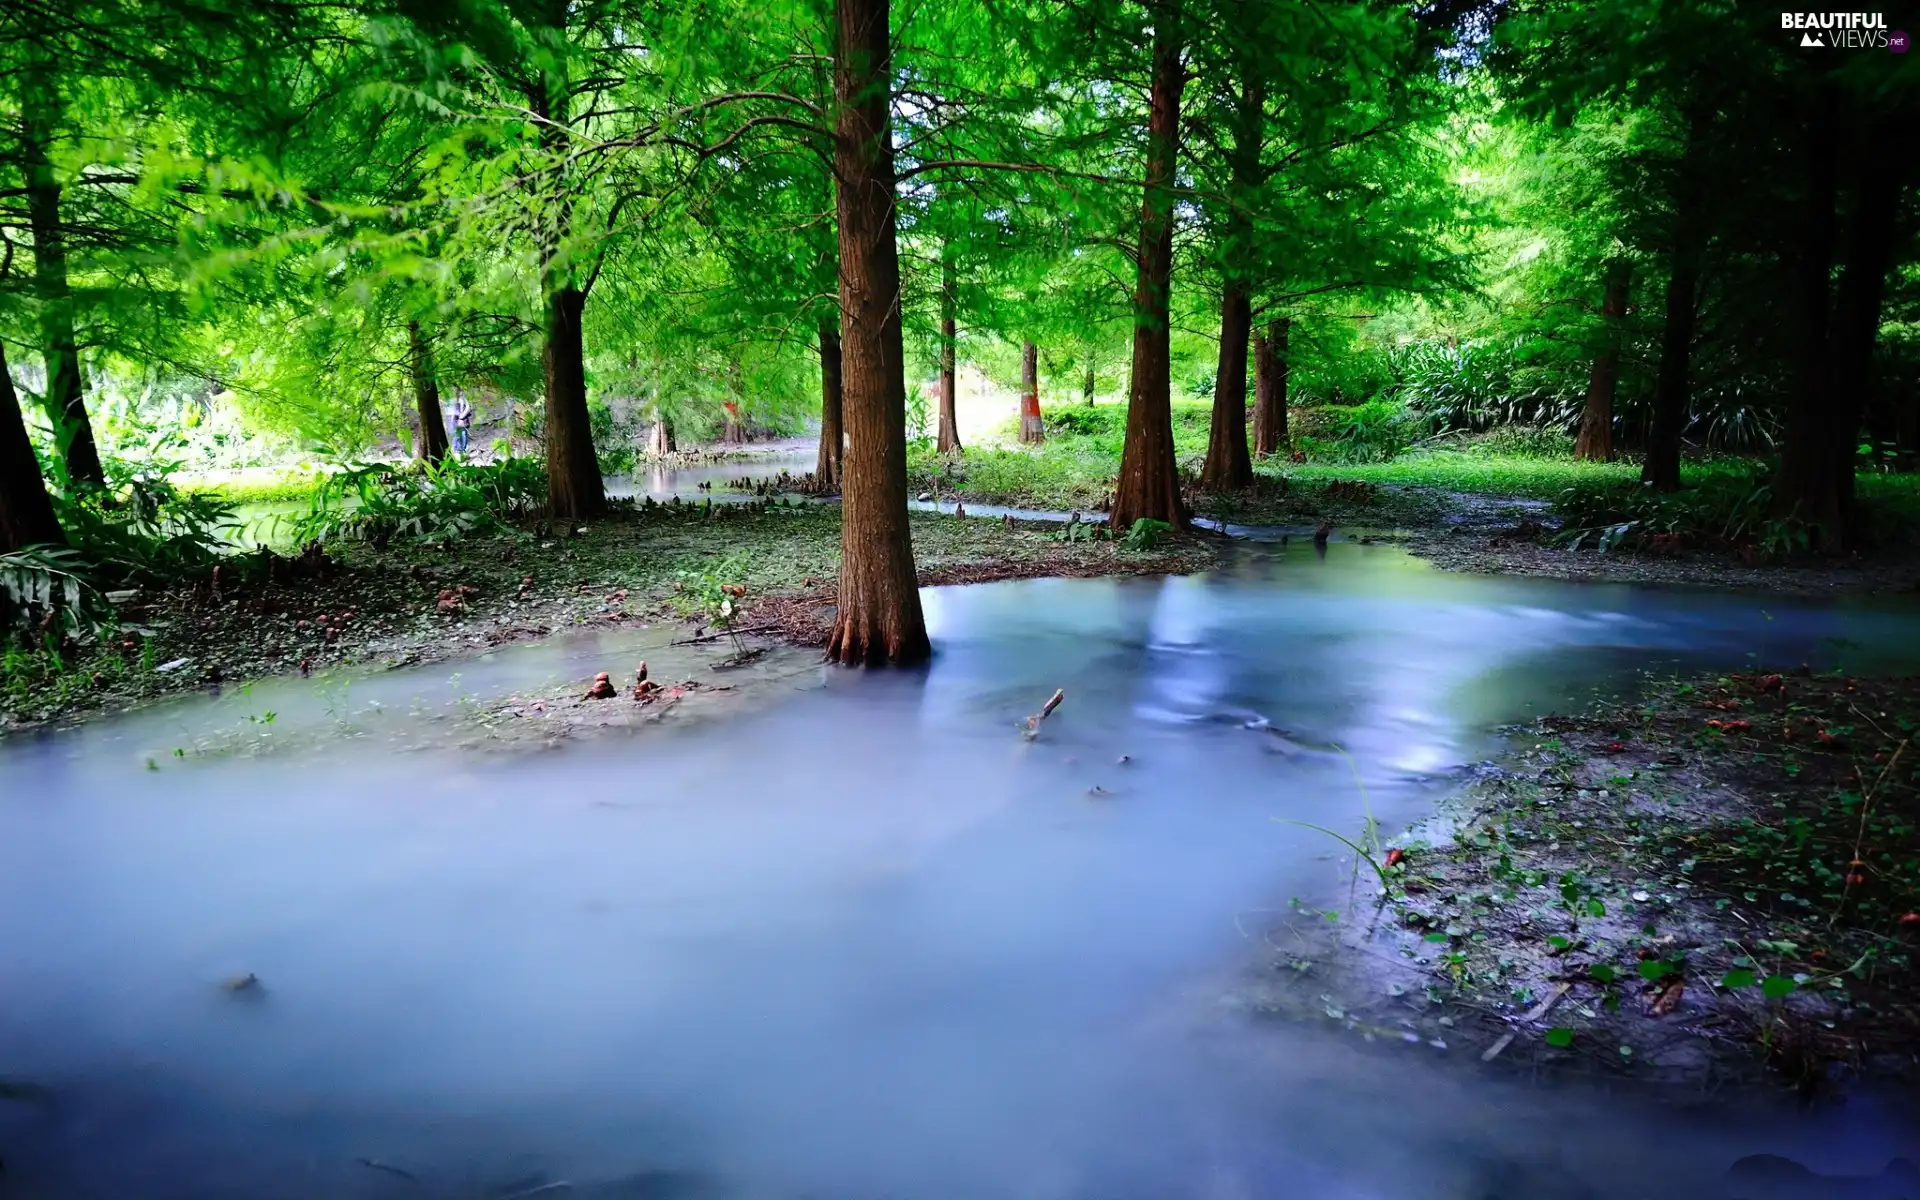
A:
{"x":863,"y":943}
{"x":662,"y":481}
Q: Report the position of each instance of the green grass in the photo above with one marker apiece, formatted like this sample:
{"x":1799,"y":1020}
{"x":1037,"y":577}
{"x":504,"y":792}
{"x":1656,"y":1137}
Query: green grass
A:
{"x":1465,"y":471}
{"x":255,"y":487}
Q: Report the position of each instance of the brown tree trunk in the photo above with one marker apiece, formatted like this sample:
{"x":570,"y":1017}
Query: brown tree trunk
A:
{"x":432,"y":446}
{"x":1228,"y":467}
{"x":1270,"y":435}
{"x":574,"y":486}
{"x":1033,"y":430}
{"x":1671,"y":388}
{"x":1884,"y":174}
{"x":949,"y":367}
{"x":65,"y":399}
{"x":1809,"y":486}
{"x":1595,"y":443}
{"x":833,"y":441}
{"x":1086,"y":387}
{"x":660,"y":437}
{"x":878,"y":617}
{"x":26,"y":511}
{"x":1149,"y":477}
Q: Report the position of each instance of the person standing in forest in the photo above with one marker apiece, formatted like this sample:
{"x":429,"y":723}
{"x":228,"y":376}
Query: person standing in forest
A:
{"x":462,"y":416}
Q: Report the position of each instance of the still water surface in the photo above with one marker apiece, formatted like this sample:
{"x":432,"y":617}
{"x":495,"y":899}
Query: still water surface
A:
{"x":863,"y":943}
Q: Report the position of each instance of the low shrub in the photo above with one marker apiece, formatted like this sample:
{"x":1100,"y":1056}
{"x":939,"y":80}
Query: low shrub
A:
{"x":379,"y":502}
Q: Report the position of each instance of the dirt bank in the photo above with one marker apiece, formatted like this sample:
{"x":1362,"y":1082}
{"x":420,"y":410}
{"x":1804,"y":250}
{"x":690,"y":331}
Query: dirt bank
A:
{"x":1715,"y":880}
{"x":646,"y":565}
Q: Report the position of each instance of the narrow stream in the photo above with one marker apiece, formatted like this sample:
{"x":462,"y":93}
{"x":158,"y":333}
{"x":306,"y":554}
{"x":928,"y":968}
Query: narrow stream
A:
{"x":863,"y":943}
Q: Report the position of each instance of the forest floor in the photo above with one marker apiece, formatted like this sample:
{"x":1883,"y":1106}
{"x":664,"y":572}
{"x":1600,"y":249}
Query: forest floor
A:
{"x":368,"y":608}
{"x":1715,"y":877}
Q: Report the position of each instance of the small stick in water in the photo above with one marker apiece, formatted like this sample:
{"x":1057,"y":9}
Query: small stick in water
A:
{"x":1031,"y":726}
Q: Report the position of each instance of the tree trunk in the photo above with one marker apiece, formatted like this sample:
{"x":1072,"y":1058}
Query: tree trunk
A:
{"x":1884,"y":174}
{"x":1809,"y":486}
{"x":1595,"y":443}
{"x":833,"y":441}
{"x":878,"y":617}
{"x":1086,"y":387}
{"x":949,"y":366}
{"x":574,"y":486}
{"x":1270,"y":435}
{"x":1033,"y":430}
{"x":1671,"y":389}
{"x":1227,"y":467}
{"x":26,"y":511}
{"x":660,"y":437}
{"x":1149,"y":477}
{"x":65,"y":400}
{"x":432,"y":446}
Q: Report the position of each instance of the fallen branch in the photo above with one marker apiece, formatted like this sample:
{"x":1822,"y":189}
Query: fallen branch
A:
{"x":1534,"y":1014}
{"x":1030,"y":728}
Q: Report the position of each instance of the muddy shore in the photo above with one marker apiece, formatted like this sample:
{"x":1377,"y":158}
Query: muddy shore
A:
{"x":644,"y":567}
{"x":1713,"y":883}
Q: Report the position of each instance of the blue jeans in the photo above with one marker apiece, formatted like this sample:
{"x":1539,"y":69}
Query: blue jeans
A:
{"x":460,"y":438}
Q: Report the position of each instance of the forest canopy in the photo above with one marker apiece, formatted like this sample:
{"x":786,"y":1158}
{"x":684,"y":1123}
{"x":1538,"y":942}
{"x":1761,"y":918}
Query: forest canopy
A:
{"x":264,"y":233}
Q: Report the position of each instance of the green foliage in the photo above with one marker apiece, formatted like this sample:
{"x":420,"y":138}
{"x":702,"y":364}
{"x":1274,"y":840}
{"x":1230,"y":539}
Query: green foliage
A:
{"x":1477,"y":385}
{"x":145,"y":528}
{"x":1730,"y":509}
{"x":50,"y":588}
{"x":1374,"y":432}
{"x":1146,"y":534}
{"x":379,"y":502}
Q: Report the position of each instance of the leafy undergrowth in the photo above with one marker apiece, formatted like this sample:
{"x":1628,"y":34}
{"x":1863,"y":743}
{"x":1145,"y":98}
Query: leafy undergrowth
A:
{"x":1727,"y":870}
{"x":1731,"y":508}
{"x":365,"y":604}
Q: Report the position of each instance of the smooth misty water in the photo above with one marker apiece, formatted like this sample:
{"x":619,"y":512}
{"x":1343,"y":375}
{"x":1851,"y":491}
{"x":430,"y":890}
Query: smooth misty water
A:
{"x":864,"y":943}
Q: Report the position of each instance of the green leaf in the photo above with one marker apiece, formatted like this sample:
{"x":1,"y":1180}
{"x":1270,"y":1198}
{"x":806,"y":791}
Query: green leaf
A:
{"x":1778,"y":986}
{"x":1595,"y":908}
{"x":1560,"y":1036}
{"x":1655,"y":968}
{"x":1603,"y":972}
{"x":1436,"y":937}
{"x":1740,"y":977}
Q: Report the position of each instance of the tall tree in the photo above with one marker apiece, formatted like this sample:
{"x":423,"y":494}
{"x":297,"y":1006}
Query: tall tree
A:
{"x":1685,"y":253}
{"x":432,"y":445}
{"x":1595,"y":441}
{"x":949,"y":430}
{"x":877,"y":618}
{"x":26,"y":512}
{"x":1270,"y":435}
{"x":1033,"y":428}
{"x":1149,"y":484}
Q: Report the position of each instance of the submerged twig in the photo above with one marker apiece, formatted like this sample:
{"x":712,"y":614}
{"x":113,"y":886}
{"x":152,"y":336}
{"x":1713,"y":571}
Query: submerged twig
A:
{"x":733,"y":633}
{"x":389,"y":1169}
